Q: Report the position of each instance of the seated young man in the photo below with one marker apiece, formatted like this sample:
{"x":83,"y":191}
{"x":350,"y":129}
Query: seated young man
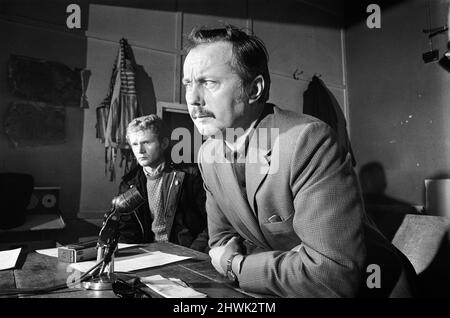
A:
{"x":175,"y":198}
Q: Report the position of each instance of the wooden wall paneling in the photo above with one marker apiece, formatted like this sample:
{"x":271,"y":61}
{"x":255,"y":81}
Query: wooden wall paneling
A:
{"x":213,"y":13}
{"x":149,"y":28}
{"x":309,"y":49}
{"x":287,"y":93}
{"x":154,"y":44}
{"x":161,"y":68}
{"x":55,"y":165}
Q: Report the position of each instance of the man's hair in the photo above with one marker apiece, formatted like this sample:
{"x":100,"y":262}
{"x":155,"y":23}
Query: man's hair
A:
{"x":250,"y":57}
{"x":150,"y":122}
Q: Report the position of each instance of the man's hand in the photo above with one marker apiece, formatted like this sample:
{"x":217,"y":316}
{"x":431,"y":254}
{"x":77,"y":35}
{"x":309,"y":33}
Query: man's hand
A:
{"x":220,"y":254}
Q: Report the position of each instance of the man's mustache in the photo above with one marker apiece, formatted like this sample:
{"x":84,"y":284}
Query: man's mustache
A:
{"x":199,"y":113}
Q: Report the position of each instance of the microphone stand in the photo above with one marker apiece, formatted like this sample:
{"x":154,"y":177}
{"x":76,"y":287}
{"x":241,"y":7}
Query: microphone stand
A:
{"x":104,"y":276}
{"x":108,"y":238}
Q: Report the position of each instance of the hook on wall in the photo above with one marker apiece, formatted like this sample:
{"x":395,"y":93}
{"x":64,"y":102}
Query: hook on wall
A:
{"x":296,"y":74}
{"x":318,"y":75}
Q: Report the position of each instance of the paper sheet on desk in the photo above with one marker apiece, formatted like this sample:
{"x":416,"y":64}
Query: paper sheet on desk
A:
{"x":170,"y":287}
{"x":53,"y":252}
{"x":135,"y":262}
{"x":9,"y":258}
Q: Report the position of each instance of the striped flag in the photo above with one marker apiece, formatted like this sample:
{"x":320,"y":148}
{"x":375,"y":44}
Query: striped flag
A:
{"x":118,"y":109}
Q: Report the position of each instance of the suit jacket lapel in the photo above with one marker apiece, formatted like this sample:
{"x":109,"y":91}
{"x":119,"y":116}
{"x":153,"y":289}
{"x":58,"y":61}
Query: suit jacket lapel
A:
{"x":258,"y":158}
{"x":239,"y":213}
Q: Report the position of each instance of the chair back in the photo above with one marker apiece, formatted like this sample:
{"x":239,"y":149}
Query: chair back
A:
{"x":425,"y":241}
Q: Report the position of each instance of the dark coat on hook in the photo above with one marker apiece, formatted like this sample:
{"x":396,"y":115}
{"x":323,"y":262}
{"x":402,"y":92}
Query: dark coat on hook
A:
{"x":319,"y":102}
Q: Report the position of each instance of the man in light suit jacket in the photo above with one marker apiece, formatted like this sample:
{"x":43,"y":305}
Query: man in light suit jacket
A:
{"x":285,"y":214}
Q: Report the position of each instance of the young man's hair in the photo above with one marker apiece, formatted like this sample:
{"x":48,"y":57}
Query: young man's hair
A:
{"x":250,"y":57}
{"x":150,"y":122}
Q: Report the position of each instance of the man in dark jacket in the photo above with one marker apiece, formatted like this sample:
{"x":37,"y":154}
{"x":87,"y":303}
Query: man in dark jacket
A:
{"x":174,"y":195}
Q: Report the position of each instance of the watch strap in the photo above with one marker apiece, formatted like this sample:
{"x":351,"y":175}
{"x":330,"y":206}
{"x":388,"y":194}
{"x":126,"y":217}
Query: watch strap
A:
{"x":230,"y":274}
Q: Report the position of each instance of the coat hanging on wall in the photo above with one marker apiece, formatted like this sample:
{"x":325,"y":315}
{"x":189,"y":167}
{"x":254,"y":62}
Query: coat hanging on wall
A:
{"x":118,"y":108}
{"x":319,"y":102}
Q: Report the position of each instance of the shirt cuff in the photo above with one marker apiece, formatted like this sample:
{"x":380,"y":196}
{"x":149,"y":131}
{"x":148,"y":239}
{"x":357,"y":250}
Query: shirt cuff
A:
{"x":236,"y":264}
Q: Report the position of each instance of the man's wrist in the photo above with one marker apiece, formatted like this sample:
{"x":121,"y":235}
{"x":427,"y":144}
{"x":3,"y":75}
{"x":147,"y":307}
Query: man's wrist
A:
{"x":229,"y":267}
{"x":236,"y":263}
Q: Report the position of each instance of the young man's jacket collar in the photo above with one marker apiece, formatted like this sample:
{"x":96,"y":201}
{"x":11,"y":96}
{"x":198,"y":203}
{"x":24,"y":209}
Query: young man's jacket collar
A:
{"x":184,"y":207}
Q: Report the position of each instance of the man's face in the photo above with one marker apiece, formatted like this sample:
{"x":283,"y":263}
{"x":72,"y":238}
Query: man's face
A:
{"x":146,"y":147}
{"x":214,"y":92}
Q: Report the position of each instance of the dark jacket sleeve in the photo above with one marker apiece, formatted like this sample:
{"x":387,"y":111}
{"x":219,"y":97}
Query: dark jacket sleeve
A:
{"x":130,"y":231}
{"x":200,"y":243}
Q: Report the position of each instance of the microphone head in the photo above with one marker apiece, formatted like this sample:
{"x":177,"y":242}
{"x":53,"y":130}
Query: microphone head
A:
{"x":128,"y":201}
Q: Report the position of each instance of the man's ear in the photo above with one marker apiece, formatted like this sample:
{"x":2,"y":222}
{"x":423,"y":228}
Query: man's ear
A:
{"x":256,"y":89}
{"x":164,"y":143}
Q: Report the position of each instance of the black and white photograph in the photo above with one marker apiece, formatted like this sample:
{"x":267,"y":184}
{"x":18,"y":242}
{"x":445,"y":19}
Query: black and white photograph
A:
{"x":223,"y":156}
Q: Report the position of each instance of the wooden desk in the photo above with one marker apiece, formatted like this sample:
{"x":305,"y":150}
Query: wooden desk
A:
{"x":39,"y":231}
{"x":45,"y":271}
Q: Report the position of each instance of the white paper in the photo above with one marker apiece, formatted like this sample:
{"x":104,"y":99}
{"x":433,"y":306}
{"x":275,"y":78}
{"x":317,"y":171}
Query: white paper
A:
{"x":135,"y":262}
{"x":170,"y":287}
{"x":53,"y":252}
{"x":125,"y":245}
{"x":9,"y":258}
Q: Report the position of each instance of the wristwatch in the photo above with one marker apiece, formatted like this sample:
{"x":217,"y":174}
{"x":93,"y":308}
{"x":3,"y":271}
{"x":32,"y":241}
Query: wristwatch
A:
{"x":231,"y":276}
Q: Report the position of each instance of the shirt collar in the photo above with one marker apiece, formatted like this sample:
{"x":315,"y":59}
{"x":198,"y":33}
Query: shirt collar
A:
{"x":239,"y":148}
{"x":154,"y":173}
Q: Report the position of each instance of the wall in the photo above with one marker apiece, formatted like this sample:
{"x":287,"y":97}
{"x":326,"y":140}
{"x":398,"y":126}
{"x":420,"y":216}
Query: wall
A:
{"x":311,"y":42}
{"x":56,"y":165}
{"x":157,"y":38}
{"x":398,"y":105}
{"x":152,"y":35}
{"x":300,"y":35}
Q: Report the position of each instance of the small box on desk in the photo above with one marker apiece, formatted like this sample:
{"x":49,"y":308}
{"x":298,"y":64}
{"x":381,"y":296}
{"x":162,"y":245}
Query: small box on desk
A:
{"x":78,"y":252}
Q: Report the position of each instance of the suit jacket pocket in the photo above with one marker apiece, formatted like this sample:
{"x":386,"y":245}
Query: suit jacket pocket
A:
{"x":280,"y":226}
{"x":281,"y":235}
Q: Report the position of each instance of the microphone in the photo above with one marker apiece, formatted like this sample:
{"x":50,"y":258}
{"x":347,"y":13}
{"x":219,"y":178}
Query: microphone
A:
{"x":122,"y":204}
{"x":128,"y":201}
{"x":108,"y":238}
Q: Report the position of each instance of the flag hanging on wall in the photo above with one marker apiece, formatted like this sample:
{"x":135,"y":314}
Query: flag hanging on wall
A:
{"x":117,"y":110}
